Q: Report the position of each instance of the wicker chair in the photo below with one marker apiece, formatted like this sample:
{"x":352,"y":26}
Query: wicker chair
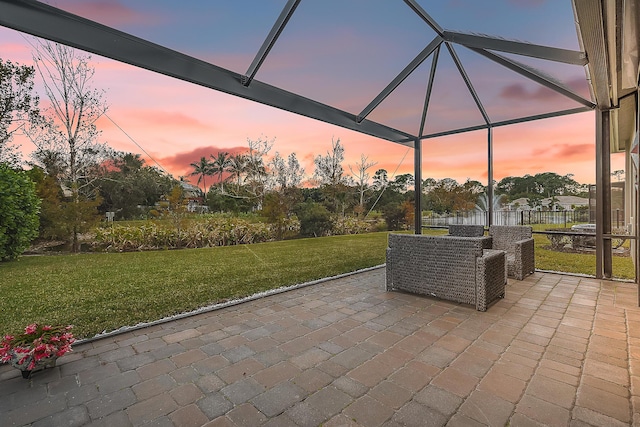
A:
{"x":448,"y":267}
{"x":466,"y":230}
{"x":518,"y":243}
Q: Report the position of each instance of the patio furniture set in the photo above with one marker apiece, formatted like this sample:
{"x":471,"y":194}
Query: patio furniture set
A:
{"x":464,"y":266}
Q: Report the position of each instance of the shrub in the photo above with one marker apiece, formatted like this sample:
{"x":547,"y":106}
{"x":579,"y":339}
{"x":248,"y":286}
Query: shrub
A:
{"x":353,"y":225}
{"x":315,"y":219}
{"x":18,"y":214}
{"x":215,"y":231}
{"x":394,"y":216}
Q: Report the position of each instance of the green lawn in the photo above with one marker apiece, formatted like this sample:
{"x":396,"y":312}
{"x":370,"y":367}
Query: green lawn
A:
{"x":103,"y":292}
{"x":582,"y":263}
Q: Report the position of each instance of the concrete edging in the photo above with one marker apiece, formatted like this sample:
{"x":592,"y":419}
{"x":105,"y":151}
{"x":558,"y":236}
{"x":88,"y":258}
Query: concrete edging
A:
{"x":221,"y":305}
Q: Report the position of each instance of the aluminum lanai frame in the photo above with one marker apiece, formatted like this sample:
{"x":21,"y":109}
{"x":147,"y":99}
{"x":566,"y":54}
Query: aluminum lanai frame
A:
{"x":609,"y":31}
{"x":39,"y":19}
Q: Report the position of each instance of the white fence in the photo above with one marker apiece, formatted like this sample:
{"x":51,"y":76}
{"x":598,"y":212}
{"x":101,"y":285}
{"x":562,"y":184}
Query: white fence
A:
{"x":505,"y":217}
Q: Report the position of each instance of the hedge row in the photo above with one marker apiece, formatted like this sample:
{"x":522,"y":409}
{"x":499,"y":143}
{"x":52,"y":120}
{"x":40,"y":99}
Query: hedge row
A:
{"x":195,"y":234}
{"x":218,"y":231}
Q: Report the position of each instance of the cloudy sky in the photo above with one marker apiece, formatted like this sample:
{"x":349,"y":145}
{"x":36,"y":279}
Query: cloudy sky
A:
{"x":342,"y":53}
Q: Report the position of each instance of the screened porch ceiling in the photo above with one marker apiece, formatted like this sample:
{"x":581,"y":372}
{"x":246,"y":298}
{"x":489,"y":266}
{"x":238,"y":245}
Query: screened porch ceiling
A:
{"x":398,"y":70}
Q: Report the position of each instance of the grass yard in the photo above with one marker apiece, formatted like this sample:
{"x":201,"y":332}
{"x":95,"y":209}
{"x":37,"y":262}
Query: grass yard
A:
{"x":103,"y":292}
{"x":582,"y":263}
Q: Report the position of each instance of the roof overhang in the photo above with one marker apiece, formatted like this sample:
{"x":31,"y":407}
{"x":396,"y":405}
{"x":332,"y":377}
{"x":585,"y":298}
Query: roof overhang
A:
{"x":609,"y":31}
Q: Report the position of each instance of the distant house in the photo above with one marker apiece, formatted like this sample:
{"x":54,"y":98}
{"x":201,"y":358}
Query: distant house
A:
{"x":191,"y":192}
{"x":194,"y":197}
{"x":562,"y":203}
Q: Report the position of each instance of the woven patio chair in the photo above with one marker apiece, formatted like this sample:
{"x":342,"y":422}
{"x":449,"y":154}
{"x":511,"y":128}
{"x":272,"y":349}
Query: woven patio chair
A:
{"x":466,"y":230}
{"x":517,"y":242}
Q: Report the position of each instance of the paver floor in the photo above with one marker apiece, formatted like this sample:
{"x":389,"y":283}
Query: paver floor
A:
{"x":558,"y":350}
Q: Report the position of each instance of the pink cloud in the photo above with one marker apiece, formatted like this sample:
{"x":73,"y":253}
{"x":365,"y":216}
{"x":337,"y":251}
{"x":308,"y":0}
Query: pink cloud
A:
{"x":179,"y":164}
{"x":16,"y":52}
{"x":566,"y":151}
{"x":518,"y":91}
{"x":168,"y":119}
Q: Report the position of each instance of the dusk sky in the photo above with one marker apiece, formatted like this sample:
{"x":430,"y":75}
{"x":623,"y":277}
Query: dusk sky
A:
{"x":343,"y":59}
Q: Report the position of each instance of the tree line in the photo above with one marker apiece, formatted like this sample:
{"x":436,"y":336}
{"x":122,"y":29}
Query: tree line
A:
{"x":74,"y":179}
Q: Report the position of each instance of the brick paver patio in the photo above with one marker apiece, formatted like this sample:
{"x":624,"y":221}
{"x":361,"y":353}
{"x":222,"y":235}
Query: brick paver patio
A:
{"x":558,"y":350}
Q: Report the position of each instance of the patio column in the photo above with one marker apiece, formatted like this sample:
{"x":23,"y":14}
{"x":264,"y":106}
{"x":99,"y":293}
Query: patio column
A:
{"x":603,"y":194}
{"x":417,"y":177}
{"x":490,"y":175}
{"x":634,"y":171}
{"x":635,"y":244}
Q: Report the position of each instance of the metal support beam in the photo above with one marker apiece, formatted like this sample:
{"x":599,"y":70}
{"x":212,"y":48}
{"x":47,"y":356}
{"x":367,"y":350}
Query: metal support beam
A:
{"x":508,"y":122}
{"x":467,"y":81}
{"x":413,"y":4}
{"x":54,"y":24}
{"x":419,"y":59}
{"x":268,"y":43}
{"x":532,"y":74}
{"x":427,"y":97}
{"x":490,"y":176}
{"x":566,"y":56}
{"x":603,"y":194}
{"x":417,"y":178}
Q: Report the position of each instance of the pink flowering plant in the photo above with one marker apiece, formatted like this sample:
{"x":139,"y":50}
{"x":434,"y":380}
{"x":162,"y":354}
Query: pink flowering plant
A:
{"x":37,"y":346}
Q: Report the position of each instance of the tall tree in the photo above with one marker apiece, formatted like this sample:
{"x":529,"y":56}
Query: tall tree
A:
{"x":545,"y":184}
{"x":287,"y":173}
{"x":202,"y":168}
{"x":220,"y":165}
{"x":380,"y":179}
{"x":69,"y":127}
{"x":52,"y":226}
{"x":18,"y":107}
{"x":329,"y":174}
{"x":329,"y":170}
{"x":403,"y":182}
{"x":257,"y":173}
{"x":361,"y":177}
{"x":448,"y":196}
{"x":127,"y":184}
{"x":238,"y":166}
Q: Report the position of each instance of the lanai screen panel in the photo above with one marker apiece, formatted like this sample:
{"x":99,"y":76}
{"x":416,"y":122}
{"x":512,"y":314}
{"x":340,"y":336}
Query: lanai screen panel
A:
{"x":343,"y":53}
{"x":548,"y":23}
{"x":507,"y":95}
{"x":227,"y":33}
{"x":367,"y":58}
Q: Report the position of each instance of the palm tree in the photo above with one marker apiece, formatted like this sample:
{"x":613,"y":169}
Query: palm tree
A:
{"x":238,"y":164}
{"x":220,"y":165}
{"x":202,"y":168}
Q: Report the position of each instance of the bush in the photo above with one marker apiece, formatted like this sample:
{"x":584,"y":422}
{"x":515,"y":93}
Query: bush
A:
{"x":398,"y":217}
{"x":315,"y":219}
{"x":353,"y":225}
{"x":394,"y":216}
{"x":216,"y":231}
{"x":19,"y":212}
